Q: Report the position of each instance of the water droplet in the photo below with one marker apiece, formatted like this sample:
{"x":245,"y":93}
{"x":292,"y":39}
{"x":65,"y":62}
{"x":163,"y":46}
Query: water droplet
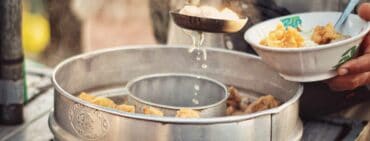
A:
{"x":195,"y":101}
{"x":198,"y":58}
{"x":204,"y":66}
{"x":195,"y":94}
{"x":204,"y":54}
{"x":196,"y":87}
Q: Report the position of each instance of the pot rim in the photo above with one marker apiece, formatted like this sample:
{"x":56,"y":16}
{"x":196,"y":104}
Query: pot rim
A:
{"x":211,"y":120}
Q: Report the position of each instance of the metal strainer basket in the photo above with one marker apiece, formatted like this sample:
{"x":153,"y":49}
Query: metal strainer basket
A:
{"x":171,"y":92}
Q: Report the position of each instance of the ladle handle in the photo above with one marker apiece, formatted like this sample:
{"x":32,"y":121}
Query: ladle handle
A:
{"x":350,"y":6}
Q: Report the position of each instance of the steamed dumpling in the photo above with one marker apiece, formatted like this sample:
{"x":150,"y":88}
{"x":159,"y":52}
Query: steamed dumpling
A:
{"x":229,"y":14}
{"x":210,"y":12}
{"x":191,"y":11}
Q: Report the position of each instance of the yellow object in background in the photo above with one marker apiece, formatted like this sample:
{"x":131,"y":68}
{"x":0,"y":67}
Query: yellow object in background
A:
{"x":35,"y":33}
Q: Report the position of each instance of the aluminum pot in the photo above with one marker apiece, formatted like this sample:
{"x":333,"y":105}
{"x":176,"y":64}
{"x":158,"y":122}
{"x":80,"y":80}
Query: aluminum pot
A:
{"x":109,"y":70}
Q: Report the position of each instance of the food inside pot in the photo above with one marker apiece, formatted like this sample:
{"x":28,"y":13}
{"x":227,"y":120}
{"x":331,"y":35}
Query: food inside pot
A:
{"x":153,"y":111}
{"x":290,"y":37}
{"x":187,"y":113}
{"x":86,"y":97}
{"x":237,"y":104}
{"x":106,"y":102}
{"x":126,"y":108}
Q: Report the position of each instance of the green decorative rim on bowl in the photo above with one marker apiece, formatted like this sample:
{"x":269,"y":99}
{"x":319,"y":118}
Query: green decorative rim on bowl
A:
{"x":294,"y":21}
{"x":346,"y":56}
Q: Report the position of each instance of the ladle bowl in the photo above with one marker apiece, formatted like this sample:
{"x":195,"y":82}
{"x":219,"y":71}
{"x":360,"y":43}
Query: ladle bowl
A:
{"x":208,"y":24}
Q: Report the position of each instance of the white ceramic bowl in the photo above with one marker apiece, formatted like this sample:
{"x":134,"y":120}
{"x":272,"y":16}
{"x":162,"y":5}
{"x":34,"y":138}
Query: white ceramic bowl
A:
{"x":309,"y":64}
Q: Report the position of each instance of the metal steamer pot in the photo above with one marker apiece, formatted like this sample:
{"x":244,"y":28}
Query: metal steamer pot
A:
{"x":107,"y":71}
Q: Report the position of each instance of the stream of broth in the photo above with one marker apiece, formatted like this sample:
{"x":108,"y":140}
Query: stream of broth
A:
{"x":201,"y":56}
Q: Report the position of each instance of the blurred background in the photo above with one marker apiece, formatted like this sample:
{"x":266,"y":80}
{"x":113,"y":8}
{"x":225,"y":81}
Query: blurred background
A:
{"x":54,"y":30}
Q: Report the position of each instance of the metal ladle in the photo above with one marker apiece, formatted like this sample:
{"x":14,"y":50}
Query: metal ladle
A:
{"x":203,"y":24}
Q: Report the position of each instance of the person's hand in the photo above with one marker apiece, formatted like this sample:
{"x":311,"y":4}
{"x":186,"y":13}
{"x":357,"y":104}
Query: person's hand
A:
{"x":356,"y":72}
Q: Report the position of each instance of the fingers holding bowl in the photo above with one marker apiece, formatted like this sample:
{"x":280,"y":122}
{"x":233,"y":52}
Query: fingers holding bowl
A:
{"x":310,"y":62}
{"x":349,"y":82}
{"x":360,"y":64}
{"x":365,"y":45}
{"x":364,"y":11}
{"x":355,"y":66}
